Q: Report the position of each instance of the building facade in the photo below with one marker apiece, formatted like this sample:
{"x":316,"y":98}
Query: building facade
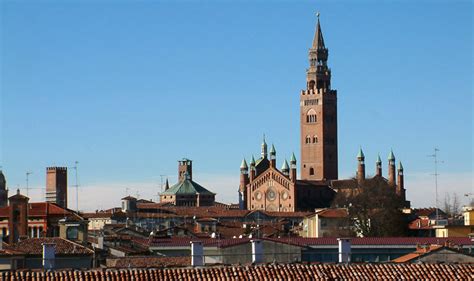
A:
{"x":56,"y":185}
{"x":264,"y":187}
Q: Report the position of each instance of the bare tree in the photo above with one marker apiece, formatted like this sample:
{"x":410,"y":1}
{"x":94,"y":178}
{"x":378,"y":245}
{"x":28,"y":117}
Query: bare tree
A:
{"x":375,"y":209}
{"x":452,"y":204}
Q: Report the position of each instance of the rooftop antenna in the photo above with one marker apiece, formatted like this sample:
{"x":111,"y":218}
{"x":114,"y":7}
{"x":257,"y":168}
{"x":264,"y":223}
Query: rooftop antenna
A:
{"x":161,"y":181}
{"x":436,"y":161}
{"x":28,"y":183}
{"x":76,"y":185}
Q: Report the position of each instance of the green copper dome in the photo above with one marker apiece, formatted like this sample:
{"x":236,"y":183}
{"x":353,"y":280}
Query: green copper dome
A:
{"x":378,"y":160}
{"x":243,"y":165}
{"x":293,"y":158}
{"x":400,"y":166}
{"x":272,"y":150}
{"x":391,"y":156}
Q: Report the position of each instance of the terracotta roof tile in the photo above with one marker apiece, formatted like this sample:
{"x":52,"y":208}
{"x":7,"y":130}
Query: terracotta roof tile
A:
{"x":33,"y":246}
{"x":148,"y":261}
{"x":266,"y":272}
{"x":463,"y":241}
{"x":333,"y":213}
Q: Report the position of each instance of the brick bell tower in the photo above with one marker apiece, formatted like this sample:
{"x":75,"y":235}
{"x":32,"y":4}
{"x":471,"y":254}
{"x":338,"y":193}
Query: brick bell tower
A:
{"x":318,"y":107}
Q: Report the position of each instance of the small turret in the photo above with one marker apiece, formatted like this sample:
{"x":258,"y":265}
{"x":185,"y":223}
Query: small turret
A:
{"x":243,"y":166}
{"x":244,"y":180}
{"x":378,"y":166}
{"x":273,"y":156}
{"x":285,"y":168}
{"x":361,"y":166}
{"x":391,"y":169}
{"x":167,"y":184}
{"x":293,"y":168}
{"x":264,"y":148}
{"x":252,"y":169}
{"x":400,"y":186}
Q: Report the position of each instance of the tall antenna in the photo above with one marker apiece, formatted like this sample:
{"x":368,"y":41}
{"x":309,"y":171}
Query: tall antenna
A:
{"x":436,"y":161}
{"x":161,"y":187}
{"x":28,"y":183}
{"x":77,"y":186}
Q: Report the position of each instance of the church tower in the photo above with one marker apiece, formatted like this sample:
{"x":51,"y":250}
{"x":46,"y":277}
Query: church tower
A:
{"x":318,"y":107}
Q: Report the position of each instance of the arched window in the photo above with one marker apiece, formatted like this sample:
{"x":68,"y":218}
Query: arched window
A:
{"x":311,"y":84}
{"x":308,"y":139}
{"x":315,"y":139}
{"x":311,"y":116}
{"x":311,"y":171}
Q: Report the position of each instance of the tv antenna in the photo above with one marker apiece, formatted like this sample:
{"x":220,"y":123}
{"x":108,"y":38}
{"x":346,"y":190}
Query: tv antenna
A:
{"x":76,"y":186}
{"x":28,"y":183}
{"x":161,"y":181}
{"x":436,"y":174}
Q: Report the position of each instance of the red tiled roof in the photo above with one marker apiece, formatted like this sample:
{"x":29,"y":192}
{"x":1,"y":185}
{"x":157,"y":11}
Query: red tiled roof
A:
{"x":420,"y":224}
{"x":333,"y":213}
{"x":424,"y":212}
{"x":267,"y":272}
{"x":299,"y":241}
{"x":417,"y":253}
{"x":41,"y":209}
{"x":288,"y":214}
{"x":148,"y":261}
{"x":33,"y":246}
{"x":103,"y":214}
{"x":375,"y":240}
{"x":186,"y":242}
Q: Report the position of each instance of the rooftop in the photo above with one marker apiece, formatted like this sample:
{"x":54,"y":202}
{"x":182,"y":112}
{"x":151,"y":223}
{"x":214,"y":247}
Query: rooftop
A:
{"x":34,"y":246}
{"x":186,"y":186}
{"x":267,"y":272}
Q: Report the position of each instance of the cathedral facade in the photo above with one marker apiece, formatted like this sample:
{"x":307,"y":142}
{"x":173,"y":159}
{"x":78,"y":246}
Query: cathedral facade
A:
{"x":265,"y":187}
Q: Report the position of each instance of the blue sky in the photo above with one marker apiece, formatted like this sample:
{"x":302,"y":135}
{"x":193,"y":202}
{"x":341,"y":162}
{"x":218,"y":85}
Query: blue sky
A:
{"x":127,"y":88}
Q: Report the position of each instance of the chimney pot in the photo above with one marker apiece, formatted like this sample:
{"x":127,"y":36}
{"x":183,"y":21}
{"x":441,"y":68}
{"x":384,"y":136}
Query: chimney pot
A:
{"x":257,"y":251}
{"x":344,"y":250}
{"x":197,"y":253}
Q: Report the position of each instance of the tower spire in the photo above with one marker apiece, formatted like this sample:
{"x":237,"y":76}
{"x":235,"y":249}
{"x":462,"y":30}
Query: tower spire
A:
{"x":264,"y":147}
{"x":318,"y":40}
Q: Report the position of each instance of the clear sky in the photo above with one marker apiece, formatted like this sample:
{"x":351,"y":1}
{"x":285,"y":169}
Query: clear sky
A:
{"x":129,"y":87}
